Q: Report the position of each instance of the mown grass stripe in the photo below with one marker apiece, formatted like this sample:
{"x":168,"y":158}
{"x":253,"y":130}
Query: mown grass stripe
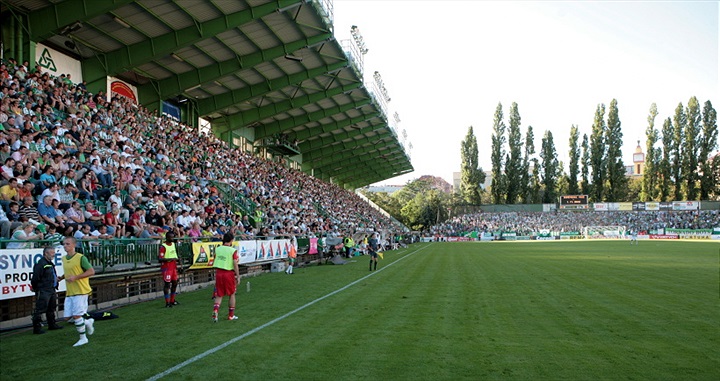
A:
{"x":271,"y":322}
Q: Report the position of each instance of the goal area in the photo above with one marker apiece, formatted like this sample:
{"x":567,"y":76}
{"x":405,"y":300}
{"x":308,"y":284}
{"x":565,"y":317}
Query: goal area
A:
{"x":604,"y":231}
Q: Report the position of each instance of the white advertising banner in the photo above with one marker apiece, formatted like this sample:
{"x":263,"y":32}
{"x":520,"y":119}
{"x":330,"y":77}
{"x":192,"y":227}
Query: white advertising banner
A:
{"x":119,"y":87}
{"x":685,"y":205}
{"x":246,"y":251}
{"x":652,"y":206}
{"x":16,"y":267}
{"x":56,"y":63}
{"x":273,"y":249}
{"x":600,"y":207}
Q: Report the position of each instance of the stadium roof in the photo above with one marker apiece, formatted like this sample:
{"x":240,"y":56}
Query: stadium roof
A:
{"x":253,"y":68}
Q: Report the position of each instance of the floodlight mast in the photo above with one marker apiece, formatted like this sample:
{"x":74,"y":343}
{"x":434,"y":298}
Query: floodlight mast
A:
{"x":357,"y":37}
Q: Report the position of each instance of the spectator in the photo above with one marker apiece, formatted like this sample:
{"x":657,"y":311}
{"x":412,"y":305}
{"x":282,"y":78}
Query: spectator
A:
{"x":92,"y":215}
{"x":24,"y":232}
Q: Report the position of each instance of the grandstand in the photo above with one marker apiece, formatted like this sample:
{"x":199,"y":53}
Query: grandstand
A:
{"x":199,"y":118}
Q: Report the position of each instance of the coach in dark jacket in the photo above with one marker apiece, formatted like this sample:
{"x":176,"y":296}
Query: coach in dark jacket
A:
{"x":44,"y":282}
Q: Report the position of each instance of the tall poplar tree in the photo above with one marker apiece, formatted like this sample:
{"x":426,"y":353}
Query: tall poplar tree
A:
{"x":535,"y":187}
{"x":597,"y":154}
{"x":549,"y":172}
{"x":471,"y":175}
{"x":497,"y":186}
{"x":574,"y":160}
{"x":513,"y":164}
{"x":650,"y":174}
{"x":585,"y":184}
{"x":666,"y":169}
{"x":526,"y":187}
{"x":691,"y":137}
{"x":617,"y":181}
{"x":679,"y":121}
{"x":708,"y":144}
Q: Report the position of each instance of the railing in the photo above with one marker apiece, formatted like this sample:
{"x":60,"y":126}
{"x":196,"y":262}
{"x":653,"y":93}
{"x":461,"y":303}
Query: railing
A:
{"x":115,"y":255}
{"x":134,"y":254}
{"x":236,"y":200}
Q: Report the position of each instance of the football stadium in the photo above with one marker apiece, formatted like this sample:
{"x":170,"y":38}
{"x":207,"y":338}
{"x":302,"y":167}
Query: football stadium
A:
{"x":187,"y":194}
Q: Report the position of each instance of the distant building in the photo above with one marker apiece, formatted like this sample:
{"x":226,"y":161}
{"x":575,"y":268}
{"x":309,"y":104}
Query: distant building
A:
{"x":638,"y":166}
{"x":485,"y":185}
{"x":389,"y":189}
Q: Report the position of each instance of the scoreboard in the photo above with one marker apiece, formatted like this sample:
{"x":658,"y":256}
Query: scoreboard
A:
{"x":574,"y":202}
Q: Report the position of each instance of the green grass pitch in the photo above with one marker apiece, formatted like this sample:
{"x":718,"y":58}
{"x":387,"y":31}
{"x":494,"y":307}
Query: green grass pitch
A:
{"x":602,"y":310}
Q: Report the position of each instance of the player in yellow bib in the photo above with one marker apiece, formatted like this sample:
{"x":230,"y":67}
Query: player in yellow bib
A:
{"x":227,"y":276}
{"x":168,"y":257}
{"x":78,"y":271}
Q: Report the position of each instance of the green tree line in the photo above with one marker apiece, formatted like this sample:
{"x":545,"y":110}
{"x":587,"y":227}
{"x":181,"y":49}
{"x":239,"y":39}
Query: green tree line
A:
{"x":681,"y":163}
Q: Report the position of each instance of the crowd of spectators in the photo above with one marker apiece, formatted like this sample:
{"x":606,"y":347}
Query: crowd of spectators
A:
{"x":528,"y":223}
{"x":95,"y":168}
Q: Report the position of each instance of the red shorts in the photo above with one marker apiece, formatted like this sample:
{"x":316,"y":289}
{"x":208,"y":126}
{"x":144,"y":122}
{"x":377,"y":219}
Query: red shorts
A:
{"x":169,"y":273}
{"x":225,"y":282}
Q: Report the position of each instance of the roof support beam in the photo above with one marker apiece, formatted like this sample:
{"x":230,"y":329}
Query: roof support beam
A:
{"x":222,"y":101}
{"x":46,"y":22}
{"x":328,"y":127}
{"x":310,"y":145}
{"x":373,"y":159}
{"x":140,"y":53}
{"x":243,"y":119}
{"x":177,"y":84}
{"x":323,"y":149}
{"x":346,"y":174}
{"x":289,"y":123}
{"x":362,"y":149}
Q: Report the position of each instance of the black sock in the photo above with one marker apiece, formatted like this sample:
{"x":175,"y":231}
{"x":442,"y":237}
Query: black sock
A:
{"x":371,"y":261}
{"x":375,"y":265}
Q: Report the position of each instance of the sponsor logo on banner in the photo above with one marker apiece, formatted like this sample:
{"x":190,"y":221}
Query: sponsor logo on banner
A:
{"x":600,"y":206}
{"x":638,"y":206}
{"x":666,"y":205}
{"x":685,"y":205}
{"x":204,"y":254}
{"x":16,"y":267}
{"x":56,"y":63}
{"x":122,"y":88}
{"x":246,"y":251}
{"x":268,"y":250}
{"x":652,"y":206}
{"x":313,"y":246}
{"x":664,"y":236}
{"x":625,"y":206}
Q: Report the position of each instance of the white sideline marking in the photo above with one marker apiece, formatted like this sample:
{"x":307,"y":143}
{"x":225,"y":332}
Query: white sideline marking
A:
{"x":271,"y":322}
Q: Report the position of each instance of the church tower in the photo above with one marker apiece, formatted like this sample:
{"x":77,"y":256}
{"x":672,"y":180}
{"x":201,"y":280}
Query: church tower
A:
{"x":638,"y":161}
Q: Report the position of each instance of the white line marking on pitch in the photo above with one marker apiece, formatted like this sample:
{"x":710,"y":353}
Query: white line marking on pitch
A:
{"x":271,"y":322}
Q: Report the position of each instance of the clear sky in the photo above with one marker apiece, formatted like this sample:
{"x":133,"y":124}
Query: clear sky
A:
{"x":447,"y":64}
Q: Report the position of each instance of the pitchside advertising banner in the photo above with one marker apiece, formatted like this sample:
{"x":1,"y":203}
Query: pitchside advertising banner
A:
{"x":16,"y":267}
{"x":641,"y":206}
{"x":249,"y":251}
{"x":56,"y":63}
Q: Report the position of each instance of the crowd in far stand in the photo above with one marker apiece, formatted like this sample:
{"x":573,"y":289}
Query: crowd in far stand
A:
{"x":76,"y":164}
{"x":526,"y":223}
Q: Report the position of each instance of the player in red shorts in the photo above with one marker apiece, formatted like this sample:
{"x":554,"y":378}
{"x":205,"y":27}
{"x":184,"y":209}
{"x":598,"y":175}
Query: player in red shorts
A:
{"x":168,"y":266}
{"x":227,"y":275}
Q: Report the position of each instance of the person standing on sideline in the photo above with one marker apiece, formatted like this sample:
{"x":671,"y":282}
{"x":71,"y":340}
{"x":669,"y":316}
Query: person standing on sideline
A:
{"x":633,"y":236}
{"x":227,"y":276}
{"x":349,"y":244}
{"x":77,"y":275}
{"x":44,"y":282}
{"x":292,"y":256}
{"x":373,"y":247}
{"x":168,"y":266}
